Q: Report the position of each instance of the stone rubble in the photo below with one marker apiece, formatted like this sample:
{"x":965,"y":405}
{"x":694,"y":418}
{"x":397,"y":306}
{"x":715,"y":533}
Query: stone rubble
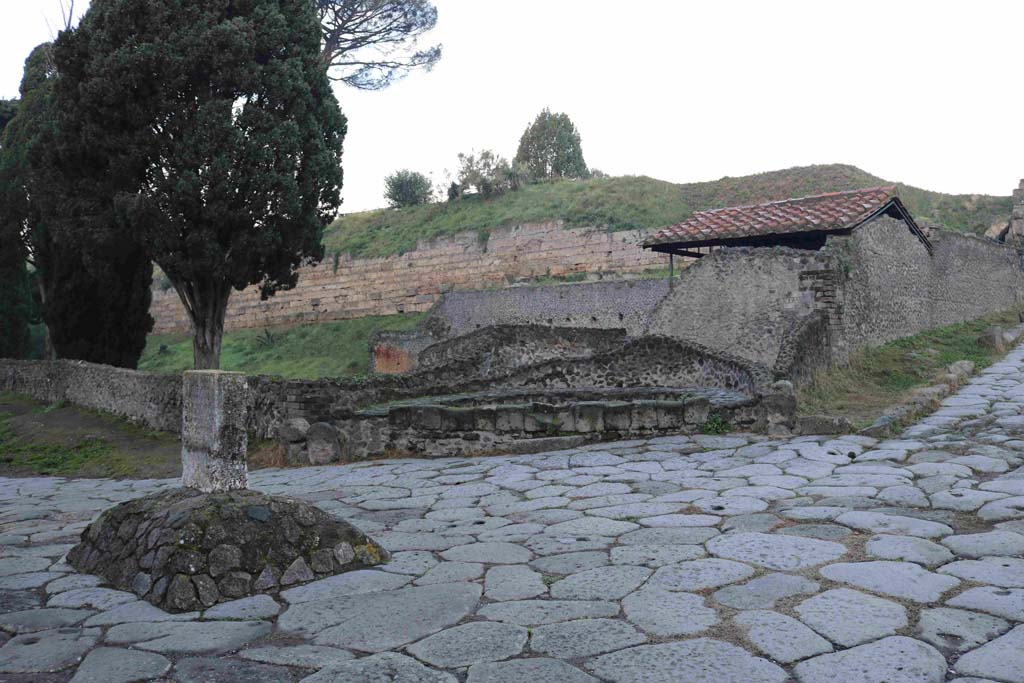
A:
{"x":711,"y":558}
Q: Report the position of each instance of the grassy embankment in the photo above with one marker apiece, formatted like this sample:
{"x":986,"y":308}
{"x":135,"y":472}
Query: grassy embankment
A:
{"x":302,"y":352}
{"x":884,"y":376}
{"x":635,"y":202}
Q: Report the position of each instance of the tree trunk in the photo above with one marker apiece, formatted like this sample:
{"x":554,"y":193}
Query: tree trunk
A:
{"x":49,"y":353}
{"x":206,"y":303}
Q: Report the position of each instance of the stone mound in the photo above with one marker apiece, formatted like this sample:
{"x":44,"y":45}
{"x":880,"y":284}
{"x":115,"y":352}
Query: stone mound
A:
{"x":184,"y":550}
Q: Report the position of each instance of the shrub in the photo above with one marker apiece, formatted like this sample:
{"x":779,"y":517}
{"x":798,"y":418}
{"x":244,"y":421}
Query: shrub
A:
{"x":407,"y":188}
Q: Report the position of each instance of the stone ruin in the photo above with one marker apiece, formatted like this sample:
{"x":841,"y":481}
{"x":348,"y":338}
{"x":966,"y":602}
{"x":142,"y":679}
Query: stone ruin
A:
{"x":212,"y":540}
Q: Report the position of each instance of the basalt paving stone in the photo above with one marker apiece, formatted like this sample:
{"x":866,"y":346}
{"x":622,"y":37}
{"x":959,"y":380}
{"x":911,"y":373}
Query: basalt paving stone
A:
{"x":775,"y":551}
{"x":907,"y":549}
{"x":655,"y":555}
{"x":307,"y":656}
{"x":386,"y":667}
{"x":895,"y":659}
{"x":956,"y":630}
{"x":213,"y":670}
{"x":669,"y":536}
{"x":117,"y":665}
{"x":700,"y":574}
{"x":1003,"y":543}
{"x":893,"y":524}
{"x":600,"y":583}
{"x":848,"y":617}
{"x":667,"y":614}
{"x":764,"y":591}
{"x":376,"y":622}
{"x":521,"y":670}
{"x":451,"y":572}
{"x":822,"y":532}
{"x":139,"y":611}
{"x":32,"y":620}
{"x":513,"y":582}
{"x":538,"y":612}
{"x":1002,"y":602}
{"x":187,"y":636}
{"x":1006,"y":572}
{"x":472,"y":643}
{"x":904,"y":580}
{"x":1001,"y":659}
{"x":46,"y":651}
{"x":584,"y":638}
{"x":351,"y":583}
{"x":781,"y":638}
{"x":570,"y":563}
{"x":701,"y":660}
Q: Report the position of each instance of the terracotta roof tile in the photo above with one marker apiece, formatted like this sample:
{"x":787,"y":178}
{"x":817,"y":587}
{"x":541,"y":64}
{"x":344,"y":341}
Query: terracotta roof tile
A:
{"x":826,"y":212}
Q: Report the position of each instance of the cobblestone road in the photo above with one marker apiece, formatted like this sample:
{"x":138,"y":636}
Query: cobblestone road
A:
{"x":726,"y":559}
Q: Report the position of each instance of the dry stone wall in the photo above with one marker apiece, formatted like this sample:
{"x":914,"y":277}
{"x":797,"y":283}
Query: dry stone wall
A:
{"x":414,"y":281}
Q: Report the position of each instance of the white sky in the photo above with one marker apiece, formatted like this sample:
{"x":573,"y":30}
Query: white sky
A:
{"x":924,"y":92}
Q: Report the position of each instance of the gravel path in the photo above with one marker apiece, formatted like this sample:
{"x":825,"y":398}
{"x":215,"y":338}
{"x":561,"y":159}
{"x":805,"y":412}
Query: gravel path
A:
{"x":725,"y":559}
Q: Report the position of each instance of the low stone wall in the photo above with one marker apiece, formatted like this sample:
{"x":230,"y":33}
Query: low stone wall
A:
{"x":147,"y":398}
{"x":806,"y":349}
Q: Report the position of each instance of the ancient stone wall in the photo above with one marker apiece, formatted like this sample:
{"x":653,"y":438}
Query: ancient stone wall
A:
{"x":147,"y":398}
{"x":620,"y":305}
{"x":741,"y":300}
{"x":411,"y":282}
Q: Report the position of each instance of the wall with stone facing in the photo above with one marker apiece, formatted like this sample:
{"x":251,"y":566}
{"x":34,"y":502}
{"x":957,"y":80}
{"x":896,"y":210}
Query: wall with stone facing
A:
{"x":146,"y":398}
{"x":620,"y":305}
{"x":414,"y":281}
{"x":741,"y":300}
{"x":888,"y":286}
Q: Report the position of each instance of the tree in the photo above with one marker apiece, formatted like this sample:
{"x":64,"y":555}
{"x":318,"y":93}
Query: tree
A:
{"x":407,"y":188}
{"x":550,"y":148}
{"x":94,"y":290}
{"x":15,"y":296}
{"x":214,"y":126}
{"x":489,"y":174}
{"x":369,"y":44}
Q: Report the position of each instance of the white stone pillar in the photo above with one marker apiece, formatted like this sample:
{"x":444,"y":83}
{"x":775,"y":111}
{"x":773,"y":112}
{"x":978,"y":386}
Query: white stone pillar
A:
{"x":214,"y":406}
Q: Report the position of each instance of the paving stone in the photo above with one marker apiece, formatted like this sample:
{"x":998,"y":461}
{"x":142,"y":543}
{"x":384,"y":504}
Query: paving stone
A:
{"x":117,"y":665}
{"x":22,"y":565}
{"x":665,"y":613}
{"x":669,"y":536}
{"x":584,"y":638}
{"x":674,"y":520}
{"x":451,"y":572}
{"x":904,"y":580}
{"x":1005,"y":572}
{"x":907,"y":549}
{"x":214,"y":670}
{"x":307,"y":656}
{"x":848,"y":617}
{"x":538,"y":612}
{"x":351,"y":583}
{"x":387,"y":667}
{"x":252,"y":607}
{"x":46,"y":651}
{"x":764,"y":591}
{"x":29,"y":621}
{"x":655,"y":555}
{"x":893,"y":524}
{"x":374,"y":622}
{"x":1003,"y":509}
{"x":1004,"y":543}
{"x":781,"y":638}
{"x":570,"y":563}
{"x":730,"y":505}
{"x":600,"y":583}
{"x":521,"y":670}
{"x":700,"y":574}
{"x":1002,"y":602}
{"x":954,"y":631}
{"x":592,"y":526}
{"x":822,"y":532}
{"x":412,"y":562}
{"x":138,"y":611}
{"x":775,"y":551}
{"x":95,"y":598}
{"x":1001,"y":659}
{"x":513,"y":582}
{"x":701,"y":660}
{"x":489,"y":553}
{"x":472,"y":643}
{"x":188,"y":637}
{"x":896,"y":659}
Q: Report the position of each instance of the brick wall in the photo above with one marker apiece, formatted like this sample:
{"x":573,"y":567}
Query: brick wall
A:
{"x":413,"y":281}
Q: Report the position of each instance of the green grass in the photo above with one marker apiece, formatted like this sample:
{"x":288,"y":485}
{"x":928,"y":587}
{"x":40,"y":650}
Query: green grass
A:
{"x":50,"y":459}
{"x":634,"y":202}
{"x":884,"y":376}
{"x":311,"y":351}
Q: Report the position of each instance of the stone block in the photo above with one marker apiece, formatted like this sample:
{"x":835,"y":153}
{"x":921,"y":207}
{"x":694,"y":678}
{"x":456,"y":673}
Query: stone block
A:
{"x":293,"y":430}
{"x":425,"y":417}
{"x":618,"y":416}
{"x":697,"y":410}
{"x":510,"y":419}
{"x":590,"y":417}
{"x":457,"y":419}
{"x":213,"y":430}
{"x":993,"y":339}
{"x":824,"y":424}
{"x":323,"y":443}
{"x":671,"y":415}
{"x":484,"y":419}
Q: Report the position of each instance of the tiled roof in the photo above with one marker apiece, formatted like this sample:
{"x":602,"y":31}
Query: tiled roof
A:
{"x":825,"y":212}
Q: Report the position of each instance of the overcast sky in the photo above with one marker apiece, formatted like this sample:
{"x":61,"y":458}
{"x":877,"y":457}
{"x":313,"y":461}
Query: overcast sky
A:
{"x":924,"y":92}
